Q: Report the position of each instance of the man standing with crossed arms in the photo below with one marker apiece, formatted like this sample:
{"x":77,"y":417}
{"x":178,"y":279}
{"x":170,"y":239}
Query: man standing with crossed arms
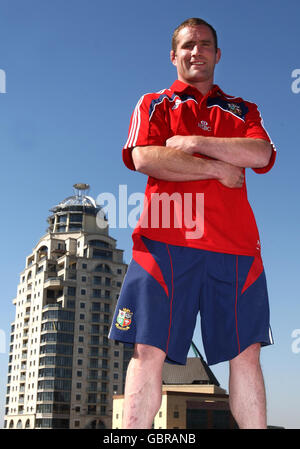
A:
{"x":194,"y":142}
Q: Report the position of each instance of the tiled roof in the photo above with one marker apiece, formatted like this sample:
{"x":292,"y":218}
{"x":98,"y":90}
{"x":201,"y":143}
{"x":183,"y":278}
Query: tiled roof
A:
{"x":196,"y":371}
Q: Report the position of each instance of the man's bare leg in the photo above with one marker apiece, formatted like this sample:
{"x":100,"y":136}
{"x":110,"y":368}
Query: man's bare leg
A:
{"x":143,"y":387}
{"x":247,"y":397}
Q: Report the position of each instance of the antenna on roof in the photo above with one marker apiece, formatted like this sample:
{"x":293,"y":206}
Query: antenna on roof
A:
{"x":196,"y":351}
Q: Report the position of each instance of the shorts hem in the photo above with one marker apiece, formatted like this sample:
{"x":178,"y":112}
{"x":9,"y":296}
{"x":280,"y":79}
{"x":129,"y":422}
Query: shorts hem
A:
{"x":144,"y":341}
{"x":263,"y":343}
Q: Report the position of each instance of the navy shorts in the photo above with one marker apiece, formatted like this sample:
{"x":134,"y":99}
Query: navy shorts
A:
{"x":166,"y":286}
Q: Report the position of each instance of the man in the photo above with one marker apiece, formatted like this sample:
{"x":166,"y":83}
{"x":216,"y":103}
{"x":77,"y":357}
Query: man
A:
{"x":196,"y":246}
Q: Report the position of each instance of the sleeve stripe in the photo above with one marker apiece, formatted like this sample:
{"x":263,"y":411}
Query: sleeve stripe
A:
{"x":135,"y":126}
{"x":262,"y":124}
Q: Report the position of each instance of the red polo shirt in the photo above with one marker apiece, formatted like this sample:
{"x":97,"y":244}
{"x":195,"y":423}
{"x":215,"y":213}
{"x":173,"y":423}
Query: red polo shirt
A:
{"x":201,"y":214}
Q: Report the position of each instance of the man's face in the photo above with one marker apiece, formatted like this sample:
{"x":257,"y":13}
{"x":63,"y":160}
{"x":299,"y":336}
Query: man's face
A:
{"x":195,"y":56}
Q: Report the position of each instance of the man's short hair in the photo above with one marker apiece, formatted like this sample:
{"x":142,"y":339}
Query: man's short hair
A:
{"x":194,"y":21}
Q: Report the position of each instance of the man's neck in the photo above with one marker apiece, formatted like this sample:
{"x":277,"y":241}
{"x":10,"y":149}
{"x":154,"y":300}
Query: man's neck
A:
{"x":203,"y":87}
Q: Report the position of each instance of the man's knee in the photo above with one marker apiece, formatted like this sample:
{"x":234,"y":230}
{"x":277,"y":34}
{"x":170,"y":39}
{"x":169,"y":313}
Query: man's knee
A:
{"x":149,"y":353}
{"x":249,"y":356}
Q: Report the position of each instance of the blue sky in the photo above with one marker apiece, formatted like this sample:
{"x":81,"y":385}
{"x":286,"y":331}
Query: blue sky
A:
{"x":74,"y":72}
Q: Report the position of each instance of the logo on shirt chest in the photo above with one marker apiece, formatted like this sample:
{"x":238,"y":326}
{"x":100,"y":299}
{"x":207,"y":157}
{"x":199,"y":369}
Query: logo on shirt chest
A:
{"x":204,"y":125}
{"x":235,"y":109}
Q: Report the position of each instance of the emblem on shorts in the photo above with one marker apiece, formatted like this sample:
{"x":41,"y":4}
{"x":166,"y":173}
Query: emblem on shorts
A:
{"x":124,"y":319}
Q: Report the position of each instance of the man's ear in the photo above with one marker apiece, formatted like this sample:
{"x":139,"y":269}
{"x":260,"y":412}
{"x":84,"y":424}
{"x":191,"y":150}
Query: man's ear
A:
{"x":173,"y":57}
{"x":218,"y":55}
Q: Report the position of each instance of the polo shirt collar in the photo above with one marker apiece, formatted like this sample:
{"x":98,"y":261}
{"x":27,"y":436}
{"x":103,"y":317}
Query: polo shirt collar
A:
{"x":180,"y":87}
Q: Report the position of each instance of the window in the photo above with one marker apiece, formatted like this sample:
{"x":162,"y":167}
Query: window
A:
{"x":83,"y":291}
{"x":84,"y":266}
{"x":95,"y":317}
{"x":94,"y":363}
{"x":94,"y":351}
{"x":92,"y":386}
{"x":94,"y":340}
{"x":97,"y":280}
{"x":95,"y":329}
{"x":75,"y":218}
{"x":176,"y":414}
{"x":83,"y":278}
{"x":62,"y":219}
{"x":220,"y":419}
{"x":96,"y":306}
{"x":98,"y":243}
{"x":104,"y":268}
{"x":102,"y":254}
{"x":96,"y":293}
{"x":71,"y":291}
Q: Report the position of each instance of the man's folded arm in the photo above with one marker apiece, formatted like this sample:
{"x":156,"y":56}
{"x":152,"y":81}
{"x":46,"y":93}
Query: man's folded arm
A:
{"x":169,"y":164}
{"x":238,"y":151}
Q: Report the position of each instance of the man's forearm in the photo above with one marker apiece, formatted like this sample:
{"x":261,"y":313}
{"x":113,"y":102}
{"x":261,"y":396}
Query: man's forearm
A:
{"x":170,"y":164}
{"x":238,"y":151}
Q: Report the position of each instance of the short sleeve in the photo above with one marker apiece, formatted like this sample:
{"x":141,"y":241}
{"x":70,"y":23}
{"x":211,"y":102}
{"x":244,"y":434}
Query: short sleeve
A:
{"x":255,"y":130}
{"x":147,"y":127}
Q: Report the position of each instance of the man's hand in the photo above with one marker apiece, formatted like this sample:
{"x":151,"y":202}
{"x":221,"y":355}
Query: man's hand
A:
{"x":183,"y":143}
{"x":231,"y":176}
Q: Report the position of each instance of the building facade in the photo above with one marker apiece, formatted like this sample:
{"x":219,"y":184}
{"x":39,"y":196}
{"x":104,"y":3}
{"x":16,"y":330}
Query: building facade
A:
{"x":63,"y":370}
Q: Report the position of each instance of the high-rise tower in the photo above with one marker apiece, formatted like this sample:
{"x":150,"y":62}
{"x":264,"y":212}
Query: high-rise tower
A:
{"x":62,"y":369}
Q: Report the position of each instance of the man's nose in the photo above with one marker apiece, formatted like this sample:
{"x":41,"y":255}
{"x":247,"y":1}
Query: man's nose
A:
{"x":196,"y":50}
